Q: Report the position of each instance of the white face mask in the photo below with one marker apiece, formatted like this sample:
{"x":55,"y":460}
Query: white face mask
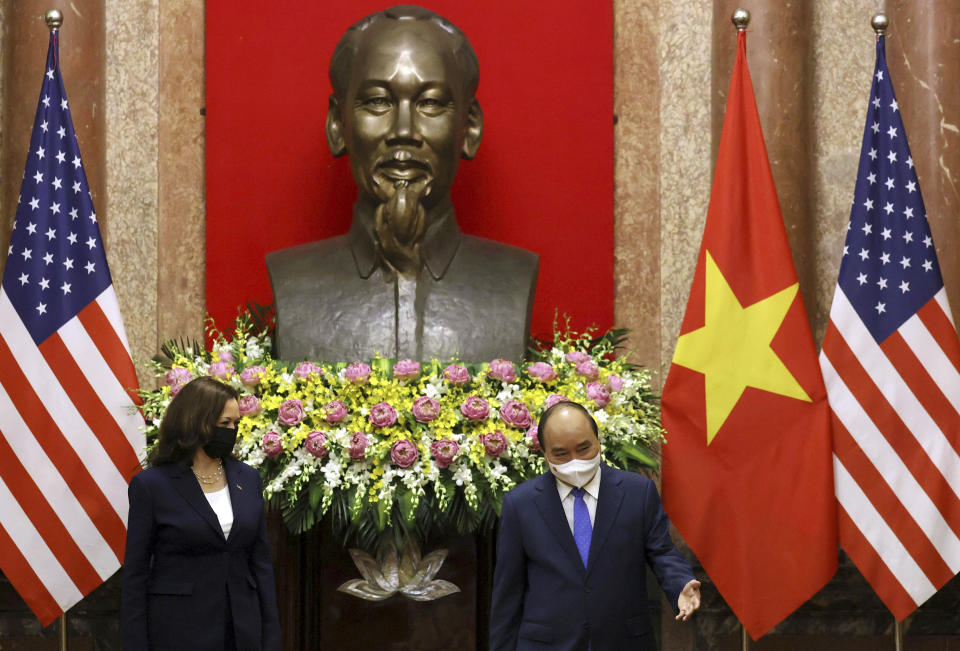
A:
{"x":576,"y":472}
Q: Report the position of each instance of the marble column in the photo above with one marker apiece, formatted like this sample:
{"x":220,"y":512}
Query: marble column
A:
{"x":922,"y":54}
{"x":684,"y":64}
{"x":778,"y":56}
{"x":132,"y":176}
{"x":636,"y":103}
{"x":181,"y":234}
{"x":82,"y":55}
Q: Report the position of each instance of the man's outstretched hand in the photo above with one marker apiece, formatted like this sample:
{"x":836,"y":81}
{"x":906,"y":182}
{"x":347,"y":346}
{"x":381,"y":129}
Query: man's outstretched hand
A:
{"x":689,"y":600}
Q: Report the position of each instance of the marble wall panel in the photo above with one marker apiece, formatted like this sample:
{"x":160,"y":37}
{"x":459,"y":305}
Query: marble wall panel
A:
{"x":23,"y":47}
{"x":843,"y":57}
{"x":685,"y":163}
{"x":180,"y":232}
{"x":636,"y":101}
{"x":778,"y":57}
{"x":923,"y":53}
{"x":132,"y":169}
{"x":25,"y":38}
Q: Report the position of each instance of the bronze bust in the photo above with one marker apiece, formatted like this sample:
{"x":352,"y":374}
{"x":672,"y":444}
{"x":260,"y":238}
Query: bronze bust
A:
{"x":404,"y":282}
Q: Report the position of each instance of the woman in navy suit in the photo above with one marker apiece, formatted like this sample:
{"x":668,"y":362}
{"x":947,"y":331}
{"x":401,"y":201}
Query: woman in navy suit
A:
{"x":197,"y":573}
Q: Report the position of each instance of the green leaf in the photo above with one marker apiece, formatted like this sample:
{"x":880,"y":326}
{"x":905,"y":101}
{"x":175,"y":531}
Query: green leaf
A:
{"x":356,"y":504}
{"x":316,"y":494}
{"x":408,"y":504}
{"x":383,"y":511}
{"x":383,"y":366}
{"x":639,"y":455}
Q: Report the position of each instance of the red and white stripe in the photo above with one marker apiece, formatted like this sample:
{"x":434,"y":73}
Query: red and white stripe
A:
{"x":70,"y":436}
{"x":896,"y":424}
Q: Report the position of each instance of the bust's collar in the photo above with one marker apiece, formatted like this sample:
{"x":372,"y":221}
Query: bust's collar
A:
{"x":438,"y":247}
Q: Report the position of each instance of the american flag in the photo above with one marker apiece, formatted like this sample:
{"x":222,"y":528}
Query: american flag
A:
{"x":891,"y":365}
{"x":69,"y":430}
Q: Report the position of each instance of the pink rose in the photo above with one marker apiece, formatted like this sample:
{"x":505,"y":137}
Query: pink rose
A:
{"x":615,"y":382}
{"x":335,"y":411}
{"x":542,"y":371}
{"x":576,"y":357}
{"x":404,"y":453}
{"x":553,"y":399}
{"x":305,"y":369}
{"x":220,"y":370}
{"x":494,"y":443}
{"x":357,"y":373}
{"x":176,"y":378}
{"x":456,"y":375}
{"x":425,"y":409}
{"x":599,"y":393}
{"x":533,"y":441}
{"x":358,"y":445}
{"x":406,"y":369}
{"x":315,"y":444}
{"x":249,"y":405}
{"x":502,"y":369}
{"x":225,"y":356}
{"x":588,"y":369}
{"x":272,"y":444}
{"x":290,"y":412}
{"x":515,"y":413}
{"x":252,"y":375}
{"x":444,"y":450}
{"x":383,"y":415}
{"x":475,"y":408}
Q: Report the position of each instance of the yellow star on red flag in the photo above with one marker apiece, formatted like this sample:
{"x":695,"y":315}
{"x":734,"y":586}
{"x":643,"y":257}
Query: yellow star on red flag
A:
{"x":733,"y":350}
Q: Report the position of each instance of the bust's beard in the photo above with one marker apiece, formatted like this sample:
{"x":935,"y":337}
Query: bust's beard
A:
{"x":400,"y":222}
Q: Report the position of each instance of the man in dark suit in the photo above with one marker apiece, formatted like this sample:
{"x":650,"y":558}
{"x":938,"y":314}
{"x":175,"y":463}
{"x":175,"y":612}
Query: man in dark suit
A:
{"x":572,"y":549}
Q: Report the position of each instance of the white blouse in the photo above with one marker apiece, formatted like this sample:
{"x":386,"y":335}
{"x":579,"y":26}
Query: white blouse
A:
{"x":223,"y":507}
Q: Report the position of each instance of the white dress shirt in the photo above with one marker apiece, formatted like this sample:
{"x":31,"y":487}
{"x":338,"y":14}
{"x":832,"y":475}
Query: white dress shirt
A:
{"x":223,"y":507}
{"x":590,"y":496}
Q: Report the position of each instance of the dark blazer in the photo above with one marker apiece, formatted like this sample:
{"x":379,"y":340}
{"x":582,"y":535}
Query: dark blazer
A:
{"x":544,"y":598}
{"x":180,"y":574}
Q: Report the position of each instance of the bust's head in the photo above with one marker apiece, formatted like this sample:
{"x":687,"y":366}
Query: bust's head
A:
{"x":403,"y":109}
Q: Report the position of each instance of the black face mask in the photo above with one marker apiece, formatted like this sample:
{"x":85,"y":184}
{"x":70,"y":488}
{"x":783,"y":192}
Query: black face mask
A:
{"x":221,"y":443}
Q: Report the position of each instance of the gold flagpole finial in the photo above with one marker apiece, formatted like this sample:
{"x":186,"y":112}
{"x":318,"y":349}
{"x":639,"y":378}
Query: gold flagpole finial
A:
{"x":880,"y":23}
{"x":741,"y":18}
{"x":54,"y":19}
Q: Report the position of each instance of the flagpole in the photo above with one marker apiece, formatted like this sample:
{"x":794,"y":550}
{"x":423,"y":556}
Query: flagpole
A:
{"x":54,"y":20}
{"x":880,"y":23}
{"x":740,"y":20}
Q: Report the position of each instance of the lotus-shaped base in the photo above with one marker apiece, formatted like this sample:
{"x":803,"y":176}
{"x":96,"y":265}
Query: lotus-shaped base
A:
{"x":411,"y":575}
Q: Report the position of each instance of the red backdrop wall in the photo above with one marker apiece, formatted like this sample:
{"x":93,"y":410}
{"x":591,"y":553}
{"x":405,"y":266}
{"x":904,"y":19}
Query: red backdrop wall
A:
{"x":543,"y":178}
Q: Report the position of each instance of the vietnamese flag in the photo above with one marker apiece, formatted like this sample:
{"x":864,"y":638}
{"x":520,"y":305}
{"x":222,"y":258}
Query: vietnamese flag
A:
{"x":747,"y":467}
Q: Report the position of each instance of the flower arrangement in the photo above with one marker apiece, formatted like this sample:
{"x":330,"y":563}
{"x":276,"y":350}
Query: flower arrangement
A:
{"x":388,"y":449}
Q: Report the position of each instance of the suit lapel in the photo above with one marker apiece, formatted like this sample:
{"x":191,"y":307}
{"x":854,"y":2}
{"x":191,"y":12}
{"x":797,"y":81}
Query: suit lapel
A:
{"x":608,"y":505}
{"x":548,"y":503}
{"x":241,"y":493}
{"x":189,"y":488}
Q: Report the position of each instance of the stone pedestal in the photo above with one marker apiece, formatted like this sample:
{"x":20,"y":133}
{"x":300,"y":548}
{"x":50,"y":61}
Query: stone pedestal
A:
{"x":315,"y":615}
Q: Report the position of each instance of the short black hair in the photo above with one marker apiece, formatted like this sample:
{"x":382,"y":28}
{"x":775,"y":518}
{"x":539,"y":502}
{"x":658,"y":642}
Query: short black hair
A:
{"x":545,"y":416}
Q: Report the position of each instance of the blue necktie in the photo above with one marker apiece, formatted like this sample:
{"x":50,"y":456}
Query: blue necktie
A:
{"x":582,"y":529}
